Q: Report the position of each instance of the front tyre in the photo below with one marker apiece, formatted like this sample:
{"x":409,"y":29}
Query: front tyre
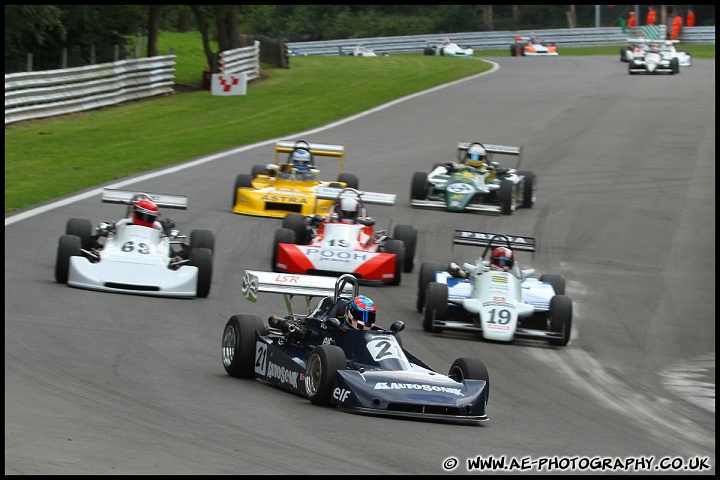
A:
{"x":560,"y":319}
{"x":418,"y":187}
{"x":81,"y":228}
{"x":470,"y":368}
{"x":282,"y":235}
{"x":238,"y":345}
{"x":529,"y":189}
{"x":408,"y":235}
{"x":436,"y":305}
{"x":202,"y":258}
{"x":506,"y":197}
{"x":68,"y":246}
{"x":323,"y":364}
{"x":349,"y":179}
{"x":427,"y":275}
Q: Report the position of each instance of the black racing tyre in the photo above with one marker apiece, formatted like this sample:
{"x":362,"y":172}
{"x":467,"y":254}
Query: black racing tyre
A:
{"x":506,"y":197}
{"x":258,"y":170}
{"x":418,"y":187}
{"x":398,"y":248}
{"x":442,"y":51}
{"x":674,"y":65}
{"x":408,"y":235}
{"x":428,"y":51}
{"x":561,"y":319}
{"x":471,"y":368}
{"x":529,"y":194}
{"x":82,"y":228}
{"x":68,"y":246}
{"x":436,"y":305}
{"x":513,"y":50}
{"x":282,"y":235}
{"x":557,"y":282}
{"x":202,"y":258}
{"x":322,"y":365}
{"x":296,"y":223}
{"x":202,"y":239}
{"x":427,"y":275}
{"x":349,"y":179}
{"x":243,"y":180}
{"x":238,"y":345}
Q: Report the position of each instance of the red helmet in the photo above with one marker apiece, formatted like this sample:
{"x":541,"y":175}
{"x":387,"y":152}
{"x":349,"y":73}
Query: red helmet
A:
{"x":502,"y":259}
{"x":360,"y":313}
{"x":144,"y":213}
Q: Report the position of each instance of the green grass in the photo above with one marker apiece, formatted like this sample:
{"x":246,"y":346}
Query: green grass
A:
{"x":46,"y":159}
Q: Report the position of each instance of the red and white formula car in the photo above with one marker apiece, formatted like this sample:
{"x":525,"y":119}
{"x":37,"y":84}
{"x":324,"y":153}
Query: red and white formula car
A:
{"x":332,"y":246}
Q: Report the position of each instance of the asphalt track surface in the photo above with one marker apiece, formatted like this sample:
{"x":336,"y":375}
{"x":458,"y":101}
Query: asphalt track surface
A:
{"x":101,"y":383}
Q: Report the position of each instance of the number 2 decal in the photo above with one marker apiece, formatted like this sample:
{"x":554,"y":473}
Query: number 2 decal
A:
{"x":383,"y":349}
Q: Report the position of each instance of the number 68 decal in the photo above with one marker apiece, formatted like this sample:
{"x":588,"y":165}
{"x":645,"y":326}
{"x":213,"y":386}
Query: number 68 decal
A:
{"x":141,"y":247}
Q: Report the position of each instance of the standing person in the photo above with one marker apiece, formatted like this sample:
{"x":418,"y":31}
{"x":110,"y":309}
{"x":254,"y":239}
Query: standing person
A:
{"x":651,"y":16}
{"x":677,"y":24}
{"x":632,"y":21}
{"x":690,"y":18}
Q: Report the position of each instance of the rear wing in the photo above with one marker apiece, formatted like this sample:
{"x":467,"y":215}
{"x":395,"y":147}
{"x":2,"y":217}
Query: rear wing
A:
{"x":375,"y":198}
{"x":255,"y":281}
{"x":483,"y":239}
{"x":128,"y":197}
{"x":316,"y":149}
{"x":491,"y":149}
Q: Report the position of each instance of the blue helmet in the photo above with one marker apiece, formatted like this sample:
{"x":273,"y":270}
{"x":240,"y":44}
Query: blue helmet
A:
{"x":301,"y":159}
{"x":360,"y":313}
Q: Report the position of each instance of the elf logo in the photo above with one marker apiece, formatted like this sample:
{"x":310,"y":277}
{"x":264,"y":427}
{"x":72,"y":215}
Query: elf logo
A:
{"x":341,"y":394}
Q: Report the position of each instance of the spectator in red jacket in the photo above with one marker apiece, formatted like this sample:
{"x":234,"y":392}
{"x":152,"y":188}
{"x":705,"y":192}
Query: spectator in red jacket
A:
{"x":651,"y":16}
{"x":690,"y":18}
{"x":677,"y":24}
{"x":632,"y":21}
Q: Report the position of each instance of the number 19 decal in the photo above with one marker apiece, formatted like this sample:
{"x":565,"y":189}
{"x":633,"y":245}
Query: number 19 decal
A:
{"x":500,"y":316}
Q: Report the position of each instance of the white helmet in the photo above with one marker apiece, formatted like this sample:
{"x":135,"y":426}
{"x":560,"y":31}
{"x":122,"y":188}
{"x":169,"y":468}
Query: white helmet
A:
{"x":348,"y":210}
{"x":476,"y":155}
{"x":301,"y":159}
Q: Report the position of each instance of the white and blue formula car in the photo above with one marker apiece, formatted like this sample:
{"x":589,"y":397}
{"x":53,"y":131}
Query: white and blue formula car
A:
{"x":497,"y":305}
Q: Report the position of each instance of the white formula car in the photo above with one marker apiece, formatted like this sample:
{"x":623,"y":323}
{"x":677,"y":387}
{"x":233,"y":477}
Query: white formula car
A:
{"x":136,"y":259}
{"x":496,"y":305}
{"x":446,"y":48}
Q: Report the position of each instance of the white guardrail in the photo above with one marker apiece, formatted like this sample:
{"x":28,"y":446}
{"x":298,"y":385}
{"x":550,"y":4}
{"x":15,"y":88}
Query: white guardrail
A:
{"x":32,"y":95}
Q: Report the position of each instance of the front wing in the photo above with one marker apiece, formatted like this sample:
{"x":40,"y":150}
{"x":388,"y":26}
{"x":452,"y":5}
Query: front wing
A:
{"x":141,"y":279}
{"x":276,"y":202}
{"x":304,"y":259}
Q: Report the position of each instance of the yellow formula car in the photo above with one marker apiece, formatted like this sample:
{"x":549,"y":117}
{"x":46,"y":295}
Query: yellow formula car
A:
{"x":276,"y":189}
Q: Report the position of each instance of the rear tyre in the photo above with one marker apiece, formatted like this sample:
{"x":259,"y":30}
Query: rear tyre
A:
{"x":323,"y":364}
{"x":560,"y":319}
{"x":243,"y":180}
{"x":68,"y":246}
{"x":81,"y":228}
{"x":506,"y":197}
{"x":396,"y":247}
{"x":238,"y":345}
{"x":529,"y":189}
{"x":296,"y":223}
{"x":470,"y":368}
{"x":202,"y":258}
{"x":436,"y":304}
{"x":258,"y":170}
{"x":202,"y":239}
{"x":282,"y":235}
{"x":513,"y":50}
{"x":427,"y":275}
{"x":557,"y":282}
{"x":408,"y":235}
{"x":349,"y":179}
{"x":418,"y":188}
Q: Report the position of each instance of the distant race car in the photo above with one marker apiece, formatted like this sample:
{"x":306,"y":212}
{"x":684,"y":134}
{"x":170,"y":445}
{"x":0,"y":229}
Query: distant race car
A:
{"x":274,"y":190}
{"x":329,"y":246}
{"x":532,"y":47}
{"x":128,"y":258}
{"x":458,"y":187}
{"x":446,"y":48}
{"x":655,"y":59}
{"x":318,"y":356}
{"x":497,"y":305}
{"x":358,"y":51}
